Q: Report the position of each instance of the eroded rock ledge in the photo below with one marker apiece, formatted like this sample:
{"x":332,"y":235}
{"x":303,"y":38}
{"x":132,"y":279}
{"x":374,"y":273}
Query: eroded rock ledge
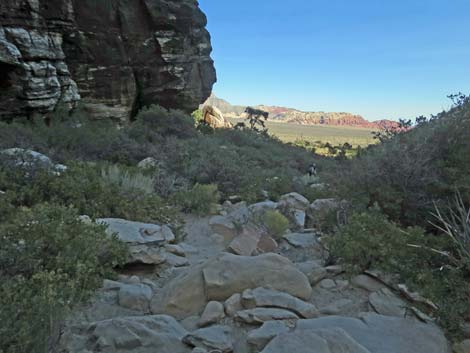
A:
{"x":113,"y":55}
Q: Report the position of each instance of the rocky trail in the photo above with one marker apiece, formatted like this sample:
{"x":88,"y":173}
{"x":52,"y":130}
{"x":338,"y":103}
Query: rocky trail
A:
{"x":227,"y":287}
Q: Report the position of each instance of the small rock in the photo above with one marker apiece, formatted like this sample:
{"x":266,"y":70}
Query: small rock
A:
{"x":334,"y":270}
{"x":266,"y":244}
{"x":341,"y":284}
{"x":176,"y":261}
{"x":259,"y":338}
{"x":300,"y":240}
{"x":223,"y":226}
{"x":462,"y":347}
{"x":148,"y":163}
{"x":299,"y":218}
{"x":260,"y":315}
{"x":327,"y":284}
{"x":337,"y":308}
{"x":233,"y":304}
{"x":263,"y":297}
{"x":175,"y":249}
{"x":135,"y":297}
{"x":210,"y":338}
{"x":244,"y":244}
{"x":367,"y":282}
{"x":143,"y":254}
{"x":384,"y":302}
{"x":213,"y":312}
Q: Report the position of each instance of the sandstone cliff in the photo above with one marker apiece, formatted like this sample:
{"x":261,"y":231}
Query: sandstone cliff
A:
{"x":113,"y":55}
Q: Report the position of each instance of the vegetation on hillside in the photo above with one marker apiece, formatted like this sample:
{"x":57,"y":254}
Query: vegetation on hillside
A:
{"x":51,"y":261}
{"x":410,"y":212}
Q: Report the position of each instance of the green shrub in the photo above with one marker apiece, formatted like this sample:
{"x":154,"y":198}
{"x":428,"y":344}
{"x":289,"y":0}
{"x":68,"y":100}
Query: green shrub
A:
{"x":82,"y":188}
{"x":127,"y":180}
{"x":276,"y":223}
{"x":423,"y":261}
{"x":409,"y":172}
{"x":50,"y":262}
{"x":164,"y":122}
{"x":201,"y":199}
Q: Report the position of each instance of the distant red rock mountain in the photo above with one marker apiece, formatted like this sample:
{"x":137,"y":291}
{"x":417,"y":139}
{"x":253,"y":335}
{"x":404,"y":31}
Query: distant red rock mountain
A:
{"x":294,"y":116}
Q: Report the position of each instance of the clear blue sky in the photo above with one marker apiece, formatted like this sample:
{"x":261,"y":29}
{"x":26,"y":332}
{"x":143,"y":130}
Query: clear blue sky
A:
{"x":378,"y":58}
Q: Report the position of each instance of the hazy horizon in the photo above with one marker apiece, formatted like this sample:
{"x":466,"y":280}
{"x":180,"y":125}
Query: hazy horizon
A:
{"x":378,"y":60}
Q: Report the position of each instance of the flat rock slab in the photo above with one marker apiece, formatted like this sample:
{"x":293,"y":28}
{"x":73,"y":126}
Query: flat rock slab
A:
{"x":367,"y":282}
{"x":333,"y":340}
{"x":261,"y":315}
{"x":211,"y":338}
{"x":143,"y":334}
{"x":263,"y":297}
{"x":384,"y":302}
{"x":301,"y":240}
{"x":385,"y":334}
{"x":297,"y":342}
{"x":137,"y":232}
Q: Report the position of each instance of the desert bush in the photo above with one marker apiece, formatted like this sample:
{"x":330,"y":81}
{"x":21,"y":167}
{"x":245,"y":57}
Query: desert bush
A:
{"x":423,"y":261}
{"x":127,"y":180}
{"x":50,"y":262}
{"x":409,"y":172}
{"x":166,"y":122}
{"x":276,"y":223}
{"x":201,"y":199}
{"x":82,"y":188}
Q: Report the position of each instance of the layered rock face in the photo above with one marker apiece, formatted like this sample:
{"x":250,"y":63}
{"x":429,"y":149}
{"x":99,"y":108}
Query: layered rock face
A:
{"x":113,"y":55}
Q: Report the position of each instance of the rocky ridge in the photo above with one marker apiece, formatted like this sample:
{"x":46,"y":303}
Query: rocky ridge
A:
{"x":294,"y":116}
{"x":281,"y":298}
{"x":113,"y":56}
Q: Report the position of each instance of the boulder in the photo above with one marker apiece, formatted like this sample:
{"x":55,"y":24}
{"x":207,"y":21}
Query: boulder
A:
{"x":214,"y":117}
{"x":385,"y":334}
{"x":211,"y":338}
{"x":260,"y":315}
{"x":231,"y":274}
{"x":183,"y":296}
{"x":137,"y":232}
{"x":293,"y":201}
{"x":30,"y":160}
{"x":142,"y":334}
{"x":135,"y":297}
{"x":313,"y":270}
{"x":221,"y":277}
{"x":213,"y":312}
{"x":263,"y":297}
